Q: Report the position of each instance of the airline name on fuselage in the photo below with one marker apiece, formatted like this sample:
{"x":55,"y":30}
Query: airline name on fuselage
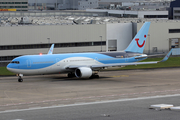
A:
{"x":119,"y":56}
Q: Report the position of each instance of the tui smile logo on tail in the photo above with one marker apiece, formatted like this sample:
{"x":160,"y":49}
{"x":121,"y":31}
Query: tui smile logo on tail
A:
{"x":137,"y":39}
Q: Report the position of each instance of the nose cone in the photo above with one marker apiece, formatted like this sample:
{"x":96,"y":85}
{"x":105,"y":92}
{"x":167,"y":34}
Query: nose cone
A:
{"x":12,"y":67}
{"x":9,"y":67}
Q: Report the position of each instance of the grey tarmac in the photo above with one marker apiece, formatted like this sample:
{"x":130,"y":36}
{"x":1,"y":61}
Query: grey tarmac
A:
{"x":56,"y":90}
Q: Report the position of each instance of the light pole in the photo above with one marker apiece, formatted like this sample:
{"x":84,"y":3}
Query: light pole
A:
{"x":149,"y":42}
{"x":101,"y":42}
{"x":36,"y":5}
{"x":48,"y":41}
{"x":57,"y":3}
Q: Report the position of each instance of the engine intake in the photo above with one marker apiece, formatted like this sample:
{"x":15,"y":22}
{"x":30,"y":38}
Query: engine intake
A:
{"x":83,"y":72}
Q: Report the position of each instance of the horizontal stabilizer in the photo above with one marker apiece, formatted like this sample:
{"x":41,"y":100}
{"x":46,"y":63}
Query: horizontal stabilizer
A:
{"x":139,"y":57}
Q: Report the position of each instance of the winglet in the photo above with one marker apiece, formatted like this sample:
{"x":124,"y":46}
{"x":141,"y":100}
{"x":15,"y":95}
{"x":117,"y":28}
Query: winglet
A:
{"x":51,"y":50}
{"x":167,"y":56}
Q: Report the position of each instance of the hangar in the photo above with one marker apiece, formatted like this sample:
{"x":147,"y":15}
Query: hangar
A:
{"x":105,"y":34}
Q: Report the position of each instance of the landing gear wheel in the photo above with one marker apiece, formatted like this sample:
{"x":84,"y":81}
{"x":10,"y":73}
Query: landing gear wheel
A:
{"x":91,"y":77}
{"x":20,"y":80}
{"x":94,"y":76}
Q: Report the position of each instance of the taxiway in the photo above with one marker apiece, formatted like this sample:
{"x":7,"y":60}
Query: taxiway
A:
{"x":56,"y":90}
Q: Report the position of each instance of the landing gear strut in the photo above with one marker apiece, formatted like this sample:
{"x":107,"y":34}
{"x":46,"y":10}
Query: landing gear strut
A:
{"x":20,"y":78}
{"x":71,"y":75}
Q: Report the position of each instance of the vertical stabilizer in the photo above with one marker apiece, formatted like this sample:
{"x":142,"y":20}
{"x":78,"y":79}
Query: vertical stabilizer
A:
{"x":138,"y":43}
{"x":51,"y":50}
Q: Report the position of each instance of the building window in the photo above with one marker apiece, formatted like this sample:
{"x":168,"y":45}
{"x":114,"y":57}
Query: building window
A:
{"x":4,"y":58}
{"x":17,"y":2}
{"x":24,"y":6}
{"x":18,"y":6}
{"x":24,"y":3}
{"x":176,"y":17}
{"x":155,"y":16}
{"x":177,"y":11}
{"x":174,"y":30}
{"x":10,"y":2}
{"x":78,"y":44}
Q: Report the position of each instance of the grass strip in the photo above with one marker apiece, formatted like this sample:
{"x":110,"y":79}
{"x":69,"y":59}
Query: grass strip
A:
{"x":5,"y":72}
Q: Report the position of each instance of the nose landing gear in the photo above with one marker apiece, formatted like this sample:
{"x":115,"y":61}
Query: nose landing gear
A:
{"x":20,"y":78}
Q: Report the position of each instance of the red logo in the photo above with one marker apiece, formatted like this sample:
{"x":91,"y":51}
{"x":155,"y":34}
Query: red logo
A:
{"x":137,"y":39}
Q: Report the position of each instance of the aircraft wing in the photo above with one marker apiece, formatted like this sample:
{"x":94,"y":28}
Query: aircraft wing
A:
{"x":123,"y":64}
{"x":167,"y":56}
{"x":119,"y":64}
{"x":110,"y":65}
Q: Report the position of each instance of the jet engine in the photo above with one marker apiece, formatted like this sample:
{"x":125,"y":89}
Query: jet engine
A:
{"x":83,"y":72}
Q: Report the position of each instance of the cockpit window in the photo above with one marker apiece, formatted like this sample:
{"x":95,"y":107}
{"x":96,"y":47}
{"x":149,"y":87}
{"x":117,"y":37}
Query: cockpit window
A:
{"x":16,"y":62}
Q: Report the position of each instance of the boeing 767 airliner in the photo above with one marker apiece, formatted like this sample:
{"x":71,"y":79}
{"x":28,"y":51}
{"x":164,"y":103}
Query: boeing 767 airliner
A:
{"x":83,"y":65}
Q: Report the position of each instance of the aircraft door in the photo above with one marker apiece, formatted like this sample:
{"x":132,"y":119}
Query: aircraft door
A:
{"x":58,"y":61}
{"x":96,"y":59}
{"x":28,"y":63}
{"x":126,"y":58}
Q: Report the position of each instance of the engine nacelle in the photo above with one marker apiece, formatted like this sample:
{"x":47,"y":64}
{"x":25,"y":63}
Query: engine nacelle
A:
{"x":83,"y":72}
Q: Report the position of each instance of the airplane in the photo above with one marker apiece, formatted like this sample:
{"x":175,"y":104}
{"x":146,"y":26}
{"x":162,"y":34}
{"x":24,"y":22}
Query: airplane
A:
{"x":83,"y":65}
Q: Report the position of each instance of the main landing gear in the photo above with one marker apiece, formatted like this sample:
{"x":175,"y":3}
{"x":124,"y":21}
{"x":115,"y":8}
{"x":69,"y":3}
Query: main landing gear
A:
{"x":94,"y":76}
{"x":20,"y":78}
{"x":71,"y":75}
